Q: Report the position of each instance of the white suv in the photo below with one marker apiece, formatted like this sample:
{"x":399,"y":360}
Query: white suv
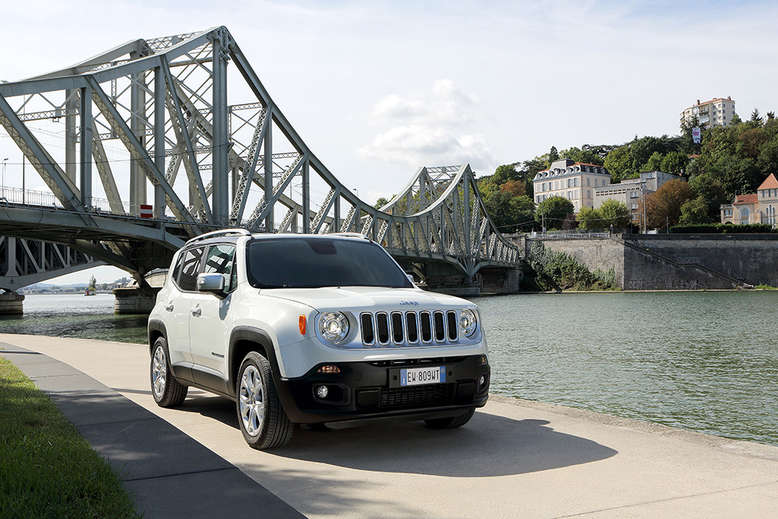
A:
{"x":312,"y":329}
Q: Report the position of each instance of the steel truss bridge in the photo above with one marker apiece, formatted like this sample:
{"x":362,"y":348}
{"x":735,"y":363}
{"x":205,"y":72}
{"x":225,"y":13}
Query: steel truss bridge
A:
{"x":151,"y":118}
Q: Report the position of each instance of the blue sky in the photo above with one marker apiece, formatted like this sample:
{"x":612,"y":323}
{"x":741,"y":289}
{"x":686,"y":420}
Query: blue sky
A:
{"x":378,"y":89}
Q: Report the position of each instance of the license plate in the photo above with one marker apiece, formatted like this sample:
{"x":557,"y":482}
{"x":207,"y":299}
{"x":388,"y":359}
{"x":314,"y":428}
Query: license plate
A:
{"x":419,"y":376}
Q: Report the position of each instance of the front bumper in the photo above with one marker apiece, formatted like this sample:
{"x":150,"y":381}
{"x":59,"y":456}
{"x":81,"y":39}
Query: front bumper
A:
{"x":366,"y":390}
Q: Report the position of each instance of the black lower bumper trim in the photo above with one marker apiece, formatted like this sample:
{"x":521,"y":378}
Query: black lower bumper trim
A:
{"x":368,"y":390}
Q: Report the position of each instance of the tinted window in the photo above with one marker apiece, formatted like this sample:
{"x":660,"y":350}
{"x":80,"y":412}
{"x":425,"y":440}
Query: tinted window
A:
{"x":219,"y":261}
{"x":190,"y":266}
{"x":320,"y":262}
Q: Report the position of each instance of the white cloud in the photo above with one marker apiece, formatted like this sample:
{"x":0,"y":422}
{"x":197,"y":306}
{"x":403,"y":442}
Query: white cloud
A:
{"x":433,"y":128}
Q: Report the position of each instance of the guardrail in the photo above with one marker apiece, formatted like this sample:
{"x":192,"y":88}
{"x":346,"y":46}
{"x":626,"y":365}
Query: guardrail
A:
{"x":17,"y":195}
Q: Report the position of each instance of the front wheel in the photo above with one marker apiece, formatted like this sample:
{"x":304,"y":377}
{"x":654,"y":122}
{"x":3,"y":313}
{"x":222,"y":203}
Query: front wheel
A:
{"x":167,"y":391}
{"x":452,"y":422}
{"x":262,"y":419}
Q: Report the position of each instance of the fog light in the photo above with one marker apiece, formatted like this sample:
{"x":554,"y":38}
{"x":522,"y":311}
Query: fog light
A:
{"x":482,"y":381}
{"x":322,"y":392}
{"x":329,"y":368}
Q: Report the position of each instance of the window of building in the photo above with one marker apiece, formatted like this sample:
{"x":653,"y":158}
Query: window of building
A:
{"x":634,"y":206}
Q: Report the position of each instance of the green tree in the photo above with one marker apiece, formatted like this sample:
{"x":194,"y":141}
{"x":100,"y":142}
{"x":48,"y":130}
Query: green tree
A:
{"x":654,"y":162}
{"x":615,"y":215}
{"x":579,"y":155}
{"x":675,"y":162}
{"x":695,"y":211}
{"x":619,"y":163}
{"x":382,"y":202}
{"x":708,"y":189}
{"x":553,"y":211}
{"x":510,"y":213}
{"x":589,"y":219}
{"x":553,"y":154}
{"x":504,"y":173}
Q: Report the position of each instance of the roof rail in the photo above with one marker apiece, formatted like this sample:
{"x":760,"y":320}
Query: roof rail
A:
{"x":350,"y":235}
{"x":222,"y":232}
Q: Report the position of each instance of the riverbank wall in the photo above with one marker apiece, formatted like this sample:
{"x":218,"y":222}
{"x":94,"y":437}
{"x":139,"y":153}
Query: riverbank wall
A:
{"x":676,"y":261}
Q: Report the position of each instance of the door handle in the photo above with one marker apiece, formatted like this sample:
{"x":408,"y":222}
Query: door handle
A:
{"x":196,"y":311}
{"x":169,"y":307}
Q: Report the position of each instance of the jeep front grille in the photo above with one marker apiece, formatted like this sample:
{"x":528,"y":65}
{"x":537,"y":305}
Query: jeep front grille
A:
{"x":408,"y":328}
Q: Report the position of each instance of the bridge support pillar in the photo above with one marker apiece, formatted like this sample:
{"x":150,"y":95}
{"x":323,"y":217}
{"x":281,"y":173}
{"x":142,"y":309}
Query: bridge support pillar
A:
{"x":11,"y":303}
{"x":134,"y":300}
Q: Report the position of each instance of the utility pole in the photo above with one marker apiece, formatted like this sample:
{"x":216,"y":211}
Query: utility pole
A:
{"x":645,"y":215}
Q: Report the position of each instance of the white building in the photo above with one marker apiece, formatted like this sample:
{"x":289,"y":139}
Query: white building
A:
{"x":716,"y":112}
{"x":632,"y":190}
{"x":572,"y":180}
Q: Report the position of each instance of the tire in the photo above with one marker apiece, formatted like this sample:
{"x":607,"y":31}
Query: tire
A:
{"x":452,"y":422}
{"x":261,"y":417}
{"x":166,"y":390}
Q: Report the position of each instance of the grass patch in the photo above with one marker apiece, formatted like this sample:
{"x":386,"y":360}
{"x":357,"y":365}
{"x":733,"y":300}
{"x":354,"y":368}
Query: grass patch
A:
{"x":47,"y":470}
{"x":765,"y":287}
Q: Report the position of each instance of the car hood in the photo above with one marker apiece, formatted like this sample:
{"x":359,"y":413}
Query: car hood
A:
{"x":378,"y":298}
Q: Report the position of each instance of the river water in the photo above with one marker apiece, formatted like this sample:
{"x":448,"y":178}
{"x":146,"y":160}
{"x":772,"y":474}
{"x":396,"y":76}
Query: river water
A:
{"x":705,"y":361}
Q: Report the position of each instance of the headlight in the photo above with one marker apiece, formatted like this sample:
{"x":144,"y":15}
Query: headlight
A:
{"x":333,"y":327}
{"x":467,"y":322}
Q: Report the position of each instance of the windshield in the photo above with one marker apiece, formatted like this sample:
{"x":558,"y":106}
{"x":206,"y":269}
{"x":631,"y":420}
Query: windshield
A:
{"x":321,"y":262}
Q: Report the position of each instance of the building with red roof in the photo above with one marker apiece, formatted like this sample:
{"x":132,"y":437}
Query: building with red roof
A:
{"x":759,"y":207}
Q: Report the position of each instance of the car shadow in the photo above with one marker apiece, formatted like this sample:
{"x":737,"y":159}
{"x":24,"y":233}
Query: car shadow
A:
{"x":489,"y":445}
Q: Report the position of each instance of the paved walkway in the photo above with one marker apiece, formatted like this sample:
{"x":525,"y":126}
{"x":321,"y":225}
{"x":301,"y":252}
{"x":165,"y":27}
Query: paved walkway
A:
{"x":514,"y":459}
{"x":167,"y":473}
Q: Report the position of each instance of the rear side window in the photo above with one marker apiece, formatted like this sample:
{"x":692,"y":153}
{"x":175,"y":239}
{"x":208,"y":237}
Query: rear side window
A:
{"x":190,"y":266}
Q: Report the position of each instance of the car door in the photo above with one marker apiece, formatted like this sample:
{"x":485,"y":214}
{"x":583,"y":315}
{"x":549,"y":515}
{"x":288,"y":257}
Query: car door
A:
{"x":208,"y":321}
{"x":179,"y":304}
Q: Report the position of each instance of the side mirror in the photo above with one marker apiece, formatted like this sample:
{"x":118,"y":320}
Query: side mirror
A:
{"x":213,"y":283}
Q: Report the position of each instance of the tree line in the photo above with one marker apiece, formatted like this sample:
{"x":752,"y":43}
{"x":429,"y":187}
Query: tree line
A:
{"x":729,"y":161}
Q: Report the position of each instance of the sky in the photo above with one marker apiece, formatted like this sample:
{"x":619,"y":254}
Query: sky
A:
{"x":378,"y":89}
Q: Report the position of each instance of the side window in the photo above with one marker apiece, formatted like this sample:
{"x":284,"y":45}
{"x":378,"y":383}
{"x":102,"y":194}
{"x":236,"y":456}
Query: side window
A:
{"x":190,"y":266}
{"x":177,"y":267}
{"x":220,"y":261}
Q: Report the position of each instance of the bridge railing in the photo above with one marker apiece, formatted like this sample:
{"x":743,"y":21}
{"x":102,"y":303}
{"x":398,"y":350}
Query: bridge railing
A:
{"x":17,"y":195}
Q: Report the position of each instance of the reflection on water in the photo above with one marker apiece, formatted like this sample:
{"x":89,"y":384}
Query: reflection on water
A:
{"x":706,"y":361}
{"x":75,"y":315}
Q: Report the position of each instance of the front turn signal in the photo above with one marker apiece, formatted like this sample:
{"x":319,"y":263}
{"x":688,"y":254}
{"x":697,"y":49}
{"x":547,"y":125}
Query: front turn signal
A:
{"x":301,"y":324}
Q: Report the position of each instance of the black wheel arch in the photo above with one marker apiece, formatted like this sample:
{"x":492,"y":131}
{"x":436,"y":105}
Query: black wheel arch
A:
{"x":244,"y":339}
{"x":156,"y":329}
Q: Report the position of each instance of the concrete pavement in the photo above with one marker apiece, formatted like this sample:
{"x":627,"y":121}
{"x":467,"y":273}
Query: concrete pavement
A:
{"x":160,"y":466}
{"x":514,"y":459}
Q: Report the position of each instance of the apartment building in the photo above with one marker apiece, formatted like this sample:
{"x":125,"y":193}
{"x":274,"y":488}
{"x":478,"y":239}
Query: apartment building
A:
{"x":572,"y":180}
{"x":715,"y":112}
{"x":632,"y":190}
{"x":759,"y":207}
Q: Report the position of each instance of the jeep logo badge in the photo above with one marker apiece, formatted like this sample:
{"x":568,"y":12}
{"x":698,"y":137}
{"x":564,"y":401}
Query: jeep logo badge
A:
{"x":409,"y":303}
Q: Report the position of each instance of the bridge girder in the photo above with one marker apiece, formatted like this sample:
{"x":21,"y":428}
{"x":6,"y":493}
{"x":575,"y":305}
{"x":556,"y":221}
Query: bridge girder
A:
{"x":166,"y":100}
{"x":25,"y":262}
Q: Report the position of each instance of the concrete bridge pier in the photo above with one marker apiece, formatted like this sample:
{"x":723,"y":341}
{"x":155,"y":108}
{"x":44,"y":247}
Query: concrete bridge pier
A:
{"x":134,"y":300}
{"x":11,"y":303}
{"x":445,"y":278}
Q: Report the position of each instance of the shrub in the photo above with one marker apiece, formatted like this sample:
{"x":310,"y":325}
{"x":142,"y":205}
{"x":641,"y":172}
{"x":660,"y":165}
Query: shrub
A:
{"x":550,"y":270}
{"x":721,"y":228}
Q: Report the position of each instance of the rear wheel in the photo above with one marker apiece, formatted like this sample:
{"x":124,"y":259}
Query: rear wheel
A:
{"x":262,"y":419}
{"x":167,"y":391}
{"x":452,"y":422}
